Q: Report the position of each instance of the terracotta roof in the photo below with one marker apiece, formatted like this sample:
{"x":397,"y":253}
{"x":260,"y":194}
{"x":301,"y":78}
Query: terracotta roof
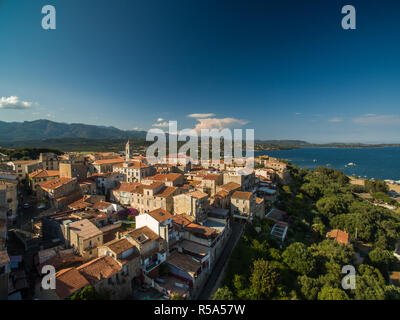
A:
{"x":201,"y":231}
{"x":197,"y":194}
{"x":230,"y":186}
{"x":165,"y":177}
{"x":160,"y":215}
{"x":55,"y":183}
{"x":79,"y":204}
{"x":85,"y":229}
{"x":184,"y":262}
{"x":109,"y":161}
{"x":101,"y":205}
{"x":128,"y":186}
{"x":119,"y":245}
{"x":25,"y":161}
{"x":181,"y":220}
{"x":211,"y":176}
{"x":166,"y":192}
{"x":68,"y":281}
{"x":137,"y":233}
{"x":242,"y":195}
{"x":44,"y":173}
{"x":153,"y":185}
{"x":98,"y":269}
{"x":259,"y":200}
{"x":338,"y":235}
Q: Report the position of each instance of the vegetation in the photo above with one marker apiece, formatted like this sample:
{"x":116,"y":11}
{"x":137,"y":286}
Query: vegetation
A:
{"x":27,"y":153}
{"x":307,"y":265}
{"x":89,"y":293}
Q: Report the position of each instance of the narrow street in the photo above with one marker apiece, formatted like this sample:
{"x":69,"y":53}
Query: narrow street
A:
{"x":222,"y":260}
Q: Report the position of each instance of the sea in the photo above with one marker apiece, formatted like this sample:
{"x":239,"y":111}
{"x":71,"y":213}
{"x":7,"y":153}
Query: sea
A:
{"x":378,"y":163}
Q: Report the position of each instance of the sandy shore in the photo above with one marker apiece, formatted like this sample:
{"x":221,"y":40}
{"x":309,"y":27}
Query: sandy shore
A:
{"x":360,"y":182}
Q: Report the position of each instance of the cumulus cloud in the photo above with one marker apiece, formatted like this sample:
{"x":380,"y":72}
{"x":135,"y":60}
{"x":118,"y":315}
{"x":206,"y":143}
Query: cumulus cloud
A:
{"x":13,"y":102}
{"x":201,"y":115}
{"x":336,"y":119}
{"x":161,"y":124}
{"x":215,"y":123}
{"x":374,"y":119}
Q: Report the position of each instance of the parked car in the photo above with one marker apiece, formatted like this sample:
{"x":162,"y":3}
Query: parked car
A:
{"x":42,"y":206}
{"x":27,"y":205}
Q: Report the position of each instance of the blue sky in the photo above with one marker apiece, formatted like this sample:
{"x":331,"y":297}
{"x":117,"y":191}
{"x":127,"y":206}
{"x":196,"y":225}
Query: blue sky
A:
{"x":285,"y":68}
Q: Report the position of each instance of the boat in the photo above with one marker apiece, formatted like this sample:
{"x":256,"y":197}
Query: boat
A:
{"x":351,"y":164}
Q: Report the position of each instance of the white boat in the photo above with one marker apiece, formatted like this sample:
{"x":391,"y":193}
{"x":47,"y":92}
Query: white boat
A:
{"x":351,"y":164}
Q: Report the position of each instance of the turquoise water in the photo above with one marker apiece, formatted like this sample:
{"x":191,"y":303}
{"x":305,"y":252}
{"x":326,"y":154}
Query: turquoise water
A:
{"x":378,"y":163}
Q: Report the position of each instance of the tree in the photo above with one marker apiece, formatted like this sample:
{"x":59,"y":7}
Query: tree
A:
{"x":392,"y":292}
{"x":223,"y":293}
{"x":299,"y":259}
{"x":263,"y":279}
{"x":309,"y":287}
{"x":89,"y":293}
{"x":329,"y":293}
{"x":369,"y":284}
{"x":373,"y":186}
{"x":382,"y":259}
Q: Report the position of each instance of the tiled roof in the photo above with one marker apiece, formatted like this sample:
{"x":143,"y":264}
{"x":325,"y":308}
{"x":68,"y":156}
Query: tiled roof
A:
{"x":338,"y":235}
{"x":184,"y":262}
{"x":230,"y":186}
{"x":160,"y":215}
{"x":143,"y":231}
{"x":166,"y":192}
{"x":109,"y":161}
{"x":128,"y":186}
{"x":101,"y":205}
{"x":85,"y":229}
{"x":55,"y":183}
{"x":119,"y":245}
{"x":133,"y":165}
{"x":68,"y":281}
{"x":242,"y":195}
{"x":98,"y":269}
{"x":165,"y":177}
{"x":44,"y":173}
{"x":198,"y":194}
{"x":201,"y":231}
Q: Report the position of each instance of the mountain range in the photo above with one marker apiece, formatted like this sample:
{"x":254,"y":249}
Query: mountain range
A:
{"x":46,"y":129}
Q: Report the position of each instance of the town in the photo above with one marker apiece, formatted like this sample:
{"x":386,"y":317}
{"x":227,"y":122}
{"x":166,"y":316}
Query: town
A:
{"x":116,"y":227}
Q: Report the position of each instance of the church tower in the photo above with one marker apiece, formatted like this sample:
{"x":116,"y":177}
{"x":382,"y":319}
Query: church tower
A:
{"x":127,"y":152}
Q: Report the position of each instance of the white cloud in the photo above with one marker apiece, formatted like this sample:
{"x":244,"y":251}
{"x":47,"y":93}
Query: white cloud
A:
{"x":201,"y":115}
{"x":164,"y":124}
{"x":298,"y":113}
{"x":336,"y":119}
{"x":13,"y":102}
{"x":215,"y":123}
{"x":374,"y":119}
{"x":160,"y":119}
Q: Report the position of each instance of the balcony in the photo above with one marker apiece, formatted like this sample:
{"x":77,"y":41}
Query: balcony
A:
{"x":161,"y":257}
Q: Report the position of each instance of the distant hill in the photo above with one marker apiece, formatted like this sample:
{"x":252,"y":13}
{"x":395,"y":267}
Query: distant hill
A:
{"x":46,"y":129}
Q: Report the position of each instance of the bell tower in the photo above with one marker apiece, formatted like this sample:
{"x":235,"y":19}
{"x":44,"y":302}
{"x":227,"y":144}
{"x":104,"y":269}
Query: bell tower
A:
{"x":127,"y":152}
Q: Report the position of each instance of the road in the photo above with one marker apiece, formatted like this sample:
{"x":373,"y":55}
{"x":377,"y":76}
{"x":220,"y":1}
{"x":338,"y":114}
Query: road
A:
{"x":222,"y":260}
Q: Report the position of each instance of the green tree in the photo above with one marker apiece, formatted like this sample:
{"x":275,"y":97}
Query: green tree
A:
{"x":329,"y":293}
{"x":223,"y":293}
{"x":89,"y":293}
{"x":299,"y":259}
{"x":263,"y":279}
